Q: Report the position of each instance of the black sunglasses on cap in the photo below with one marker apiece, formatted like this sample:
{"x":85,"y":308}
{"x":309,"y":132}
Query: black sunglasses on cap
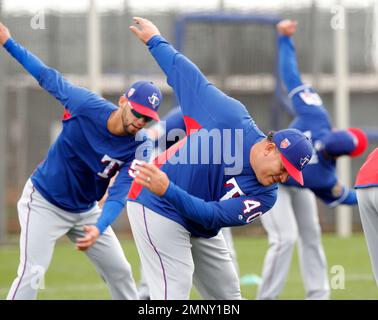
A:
{"x":139,"y":115}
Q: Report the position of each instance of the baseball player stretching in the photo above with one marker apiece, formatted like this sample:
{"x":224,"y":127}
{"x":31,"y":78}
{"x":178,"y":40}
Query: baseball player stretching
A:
{"x":367,"y":195}
{"x":175,"y":120}
{"x":175,"y":213}
{"x":294,"y":216}
{"x":60,"y":198}
{"x":165,"y":133}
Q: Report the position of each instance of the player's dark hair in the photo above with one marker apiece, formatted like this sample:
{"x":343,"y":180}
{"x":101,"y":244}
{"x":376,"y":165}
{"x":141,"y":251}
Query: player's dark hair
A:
{"x":270,"y":136}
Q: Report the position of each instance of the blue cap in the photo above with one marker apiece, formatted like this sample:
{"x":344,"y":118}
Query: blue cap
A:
{"x":145,"y":98}
{"x":352,"y":142}
{"x":295,"y":150}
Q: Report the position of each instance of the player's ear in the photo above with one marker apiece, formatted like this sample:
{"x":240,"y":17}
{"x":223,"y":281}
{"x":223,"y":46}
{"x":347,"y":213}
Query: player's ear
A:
{"x":269,"y":147}
{"x":122,"y":100}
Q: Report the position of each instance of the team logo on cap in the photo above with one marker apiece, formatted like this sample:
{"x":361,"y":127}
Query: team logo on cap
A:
{"x":285,"y":143}
{"x":131,"y":92}
{"x":304,"y":161}
{"x":154,"y":100}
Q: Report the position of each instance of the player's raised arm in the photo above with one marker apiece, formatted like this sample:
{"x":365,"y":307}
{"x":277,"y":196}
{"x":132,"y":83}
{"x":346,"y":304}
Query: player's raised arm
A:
{"x":302,"y":95}
{"x":48,"y":78}
{"x":198,"y":98}
{"x":288,"y":66}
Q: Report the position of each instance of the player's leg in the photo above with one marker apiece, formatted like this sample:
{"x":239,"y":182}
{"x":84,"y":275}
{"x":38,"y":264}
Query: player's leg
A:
{"x":282,"y":231}
{"x":368,"y":206}
{"x":215,"y":276}
{"x":165,"y":252}
{"x":310,"y":249}
{"x":41,"y":226}
{"x":108,"y":257}
{"x":227,"y":234}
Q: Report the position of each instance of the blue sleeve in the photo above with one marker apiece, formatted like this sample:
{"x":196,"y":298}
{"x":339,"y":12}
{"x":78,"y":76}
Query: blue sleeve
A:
{"x":112,"y":210}
{"x":288,"y":63}
{"x":346,"y":196}
{"x":49,"y":79}
{"x":198,"y":98}
{"x":116,"y":199}
{"x":117,"y":193}
{"x":227,"y":213}
{"x":120,"y":188}
{"x":306,"y":102}
{"x":174,"y":120}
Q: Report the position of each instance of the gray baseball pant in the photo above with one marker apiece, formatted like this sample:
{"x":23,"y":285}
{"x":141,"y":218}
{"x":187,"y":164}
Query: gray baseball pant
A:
{"x":368,"y":205}
{"x":294,"y":219}
{"x":143,"y":290}
{"x":172,"y":260}
{"x":42,"y":224}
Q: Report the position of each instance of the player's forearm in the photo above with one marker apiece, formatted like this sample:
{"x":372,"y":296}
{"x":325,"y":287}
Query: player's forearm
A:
{"x":48,"y":78}
{"x":163,"y":52}
{"x":29,"y":61}
{"x":190,"y":207}
{"x":288,"y":63}
{"x":110,"y":212}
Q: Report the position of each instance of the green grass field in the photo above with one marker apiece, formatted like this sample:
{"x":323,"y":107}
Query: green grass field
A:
{"x":71,"y":275}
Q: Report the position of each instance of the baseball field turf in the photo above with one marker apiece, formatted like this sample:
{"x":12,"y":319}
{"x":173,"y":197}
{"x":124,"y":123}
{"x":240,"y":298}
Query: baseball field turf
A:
{"x":72,"y":276}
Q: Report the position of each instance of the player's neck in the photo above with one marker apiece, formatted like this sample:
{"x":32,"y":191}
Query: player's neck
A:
{"x":115,"y":124}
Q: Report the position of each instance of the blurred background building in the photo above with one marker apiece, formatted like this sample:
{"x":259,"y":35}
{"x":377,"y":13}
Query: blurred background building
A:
{"x":233,"y":42}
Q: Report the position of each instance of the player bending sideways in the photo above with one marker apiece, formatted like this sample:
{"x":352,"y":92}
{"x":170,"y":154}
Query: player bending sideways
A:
{"x":294,"y":216}
{"x":60,"y":198}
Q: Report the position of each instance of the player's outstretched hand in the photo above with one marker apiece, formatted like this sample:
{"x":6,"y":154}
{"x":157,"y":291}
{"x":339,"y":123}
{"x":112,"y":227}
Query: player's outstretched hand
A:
{"x":91,"y":235}
{"x":146,"y":29}
{"x":151,"y":177}
{"x":287,"y":27}
{"x":4,"y":34}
